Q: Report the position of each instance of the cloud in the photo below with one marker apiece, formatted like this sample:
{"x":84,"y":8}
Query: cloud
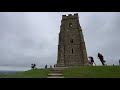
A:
{"x":32,"y":37}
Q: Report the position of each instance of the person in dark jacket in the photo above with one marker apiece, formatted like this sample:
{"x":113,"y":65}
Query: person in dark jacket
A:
{"x":100,"y":56}
{"x":32,"y":66}
{"x":119,"y":61}
{"x":45,"y":66}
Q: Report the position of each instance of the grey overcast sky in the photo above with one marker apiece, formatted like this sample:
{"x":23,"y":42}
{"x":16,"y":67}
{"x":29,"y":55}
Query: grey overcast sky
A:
{"x":32,"y":37}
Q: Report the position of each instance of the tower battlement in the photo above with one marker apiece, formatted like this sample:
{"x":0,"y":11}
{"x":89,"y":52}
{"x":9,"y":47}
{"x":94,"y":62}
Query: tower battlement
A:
{"x":70,"y":16}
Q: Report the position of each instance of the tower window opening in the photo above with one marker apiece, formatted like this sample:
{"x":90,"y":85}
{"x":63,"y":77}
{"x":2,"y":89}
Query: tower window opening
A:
{"x":72,"y":50}
{"x":71,"y":40}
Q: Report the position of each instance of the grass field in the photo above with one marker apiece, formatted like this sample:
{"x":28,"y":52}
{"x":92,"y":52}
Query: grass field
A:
{"x":36,"y":73}
{"x":92,"y":72}
{"x":73,"y":72}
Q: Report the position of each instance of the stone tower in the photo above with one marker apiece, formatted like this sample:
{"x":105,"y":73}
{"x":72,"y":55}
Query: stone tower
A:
{"x":71,"y":46}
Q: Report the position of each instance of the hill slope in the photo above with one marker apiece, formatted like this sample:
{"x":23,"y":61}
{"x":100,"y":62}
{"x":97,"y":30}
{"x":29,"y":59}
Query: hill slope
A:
{"x":73,"y":72}
{"x":36,"y":73}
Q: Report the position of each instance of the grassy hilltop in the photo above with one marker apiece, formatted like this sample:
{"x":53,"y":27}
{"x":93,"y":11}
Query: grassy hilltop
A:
{"x":73,"y":72}
{"x":92,"y":72}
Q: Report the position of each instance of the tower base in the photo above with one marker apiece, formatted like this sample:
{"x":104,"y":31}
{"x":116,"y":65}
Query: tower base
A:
{"x":60,"y":65}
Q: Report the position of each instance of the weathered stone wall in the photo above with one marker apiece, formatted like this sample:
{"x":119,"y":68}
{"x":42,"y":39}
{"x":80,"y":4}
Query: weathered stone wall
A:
{"x":71,"y":48}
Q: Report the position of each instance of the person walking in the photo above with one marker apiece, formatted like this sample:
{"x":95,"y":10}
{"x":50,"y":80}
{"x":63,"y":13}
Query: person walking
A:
{"x":100,"y":56}
{"x":92,"y":60}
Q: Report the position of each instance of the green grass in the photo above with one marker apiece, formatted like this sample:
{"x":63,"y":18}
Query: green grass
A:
{"x":36,"y":73}
{"x":73,"y":72}
{"x":92,"y":72}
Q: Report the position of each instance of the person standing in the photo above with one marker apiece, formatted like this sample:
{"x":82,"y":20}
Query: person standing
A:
{"x":119,"y":61}
{"x":45,"y":66}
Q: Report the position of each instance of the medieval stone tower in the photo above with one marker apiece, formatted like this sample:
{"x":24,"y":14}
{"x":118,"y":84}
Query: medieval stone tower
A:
{"x":71,"y":46}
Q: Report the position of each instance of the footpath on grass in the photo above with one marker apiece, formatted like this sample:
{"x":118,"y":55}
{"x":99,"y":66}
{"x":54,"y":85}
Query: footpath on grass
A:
{"x":56,"y":72}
